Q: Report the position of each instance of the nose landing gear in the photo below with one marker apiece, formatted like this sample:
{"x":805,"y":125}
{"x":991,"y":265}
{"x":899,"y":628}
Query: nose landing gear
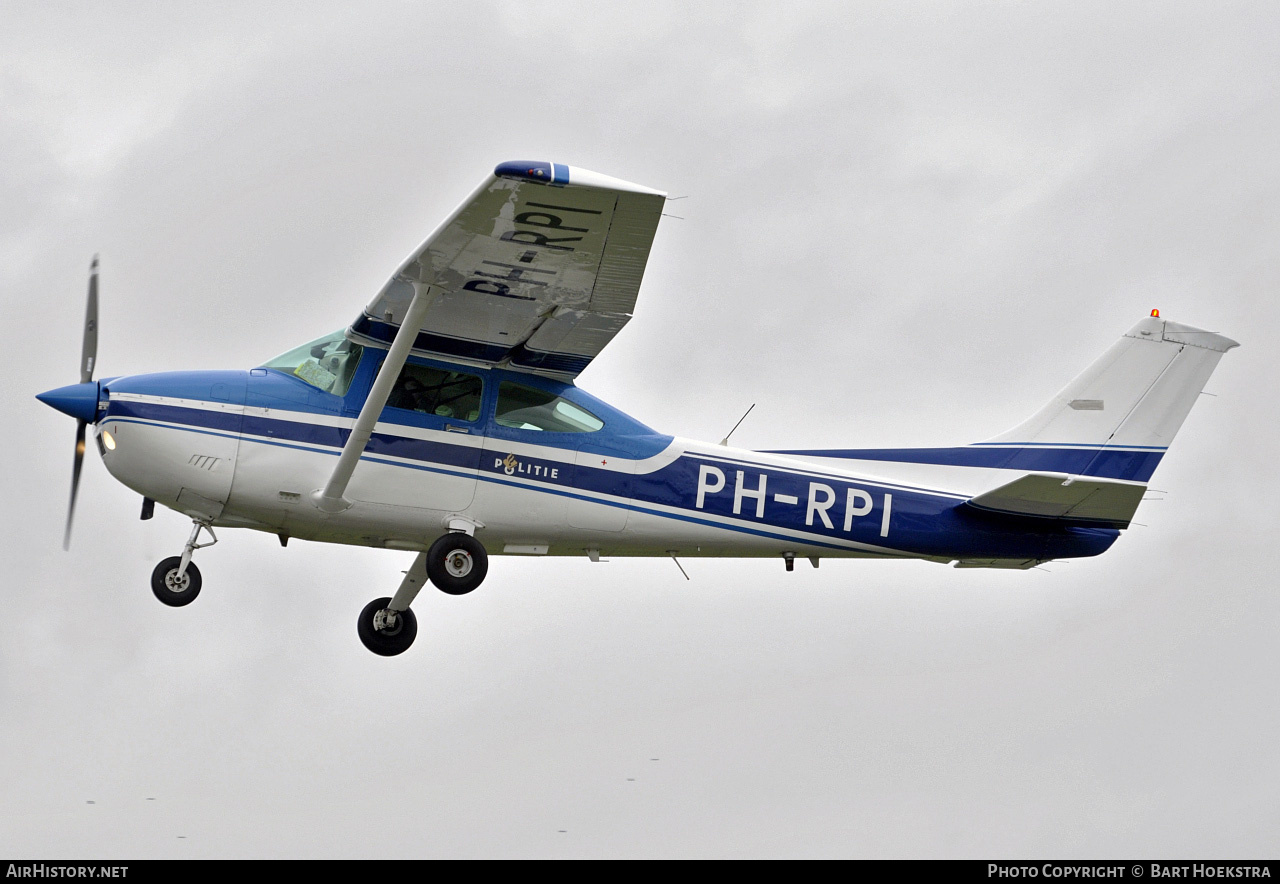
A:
{"x":176,"y":580}
{"x":173,"y":586}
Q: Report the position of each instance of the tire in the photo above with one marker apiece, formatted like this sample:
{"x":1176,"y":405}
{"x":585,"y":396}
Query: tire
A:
{"x":175,"y":593}
{"x":457,"y":563}
{"x":383,"y":642}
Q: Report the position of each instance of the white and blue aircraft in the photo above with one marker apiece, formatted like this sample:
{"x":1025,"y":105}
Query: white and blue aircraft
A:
{"x":445,"y":420}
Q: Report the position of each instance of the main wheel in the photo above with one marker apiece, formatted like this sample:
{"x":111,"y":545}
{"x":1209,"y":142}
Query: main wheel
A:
{"x":173,"y":590}
{"x":457,"y":563}
{"x":381,"y":639}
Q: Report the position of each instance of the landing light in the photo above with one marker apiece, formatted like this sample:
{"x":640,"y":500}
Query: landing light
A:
{"x":108,"y":440}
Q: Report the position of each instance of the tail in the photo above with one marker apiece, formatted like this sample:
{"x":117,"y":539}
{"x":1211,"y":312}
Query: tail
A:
{"x":1086,"y":456}
{"x":1128,"y":405}
{"x":1108,"y":429}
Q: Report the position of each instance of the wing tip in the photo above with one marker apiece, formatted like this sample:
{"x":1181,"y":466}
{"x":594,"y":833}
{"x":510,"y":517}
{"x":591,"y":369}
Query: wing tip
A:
{"x":561,"y":175}
{"x":555,"y":174}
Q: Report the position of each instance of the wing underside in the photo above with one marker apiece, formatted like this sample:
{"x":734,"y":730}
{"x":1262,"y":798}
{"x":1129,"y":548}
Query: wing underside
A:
{"x":537,"y":271}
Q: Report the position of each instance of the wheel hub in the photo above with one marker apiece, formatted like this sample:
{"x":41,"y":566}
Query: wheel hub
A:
{"x":176,"y":583}
{"x":458,"y":563}
{"x":386,"y":622}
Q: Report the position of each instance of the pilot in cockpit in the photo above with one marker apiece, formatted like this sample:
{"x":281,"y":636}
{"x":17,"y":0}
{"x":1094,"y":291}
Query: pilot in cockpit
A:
{"x":410,"y":393}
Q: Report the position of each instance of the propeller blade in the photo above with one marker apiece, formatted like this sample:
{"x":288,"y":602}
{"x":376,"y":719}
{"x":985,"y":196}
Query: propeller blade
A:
{"x":89,"y":349}
{"x":75,"y":481}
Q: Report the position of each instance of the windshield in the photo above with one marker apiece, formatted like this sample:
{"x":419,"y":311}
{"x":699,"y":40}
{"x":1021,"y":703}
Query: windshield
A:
{"x":328,"y":363}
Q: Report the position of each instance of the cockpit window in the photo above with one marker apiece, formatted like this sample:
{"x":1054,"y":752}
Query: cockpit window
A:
{"x":328,"y":363}
{"x":428,"y":390}
{"x":527,"y":408}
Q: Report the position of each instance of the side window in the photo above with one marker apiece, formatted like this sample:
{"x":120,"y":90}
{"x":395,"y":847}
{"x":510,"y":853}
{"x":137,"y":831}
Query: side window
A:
{"x":438,"y":392}
{"x":527,"y":408}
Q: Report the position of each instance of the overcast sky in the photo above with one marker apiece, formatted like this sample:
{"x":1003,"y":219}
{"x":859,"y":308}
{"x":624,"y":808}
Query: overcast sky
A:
{"x":904,"y":224}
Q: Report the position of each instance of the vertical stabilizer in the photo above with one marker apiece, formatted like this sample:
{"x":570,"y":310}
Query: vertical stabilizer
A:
{"x":1136,"y":395}
{"x":1113,"y":422}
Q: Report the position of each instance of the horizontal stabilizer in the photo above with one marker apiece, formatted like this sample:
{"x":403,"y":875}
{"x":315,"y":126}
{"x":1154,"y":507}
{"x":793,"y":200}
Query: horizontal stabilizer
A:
{"x":1060,"y":496}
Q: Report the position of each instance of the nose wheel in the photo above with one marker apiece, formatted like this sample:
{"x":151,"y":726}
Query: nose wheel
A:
{"x":176,"y":580}
{"x":175,"y":587}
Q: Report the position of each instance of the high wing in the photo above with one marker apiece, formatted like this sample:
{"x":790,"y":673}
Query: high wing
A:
{"x":537,"y":270}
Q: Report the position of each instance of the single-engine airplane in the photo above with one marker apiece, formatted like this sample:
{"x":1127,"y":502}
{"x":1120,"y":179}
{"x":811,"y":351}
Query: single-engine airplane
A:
{"x":445,"y":420}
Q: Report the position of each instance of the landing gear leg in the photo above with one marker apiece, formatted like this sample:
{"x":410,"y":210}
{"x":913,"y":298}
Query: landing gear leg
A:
{"x":386,"y":625}
{"x":414,"y":579}
{"x":176,"y":580}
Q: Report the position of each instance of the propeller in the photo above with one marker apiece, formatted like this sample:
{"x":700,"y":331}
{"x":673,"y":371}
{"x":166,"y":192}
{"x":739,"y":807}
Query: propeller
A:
{"x":88,"y":356}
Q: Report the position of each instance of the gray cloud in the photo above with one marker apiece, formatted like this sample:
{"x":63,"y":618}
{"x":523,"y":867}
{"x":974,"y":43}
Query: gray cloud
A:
{"x":903,"y":226}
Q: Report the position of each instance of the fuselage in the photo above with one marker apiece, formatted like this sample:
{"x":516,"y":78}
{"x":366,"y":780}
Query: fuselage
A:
{"x":249,"y":448}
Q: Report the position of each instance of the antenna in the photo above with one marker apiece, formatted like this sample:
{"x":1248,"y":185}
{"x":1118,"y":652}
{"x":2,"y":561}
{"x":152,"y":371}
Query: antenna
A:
{"x":725,"y":440}
{"x":672,"y":553}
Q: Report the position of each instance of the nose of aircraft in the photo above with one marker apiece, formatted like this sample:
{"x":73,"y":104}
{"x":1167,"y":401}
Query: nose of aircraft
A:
{"x":77,"y":400}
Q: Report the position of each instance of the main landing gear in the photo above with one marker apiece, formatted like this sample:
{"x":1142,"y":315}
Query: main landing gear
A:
{"x":176,"y":580}
{"x":384,"y":631}
{"x":456,"y":563}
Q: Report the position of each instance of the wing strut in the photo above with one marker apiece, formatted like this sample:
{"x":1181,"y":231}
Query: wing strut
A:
{"x":330,"y":497}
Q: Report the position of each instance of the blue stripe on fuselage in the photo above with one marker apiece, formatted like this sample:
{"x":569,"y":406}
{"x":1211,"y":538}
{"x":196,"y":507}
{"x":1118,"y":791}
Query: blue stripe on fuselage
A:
{"x":1105,"y":463}
{"x":920,"y":522}
{"x":387,"y":444}
{"x":229,"y":421}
